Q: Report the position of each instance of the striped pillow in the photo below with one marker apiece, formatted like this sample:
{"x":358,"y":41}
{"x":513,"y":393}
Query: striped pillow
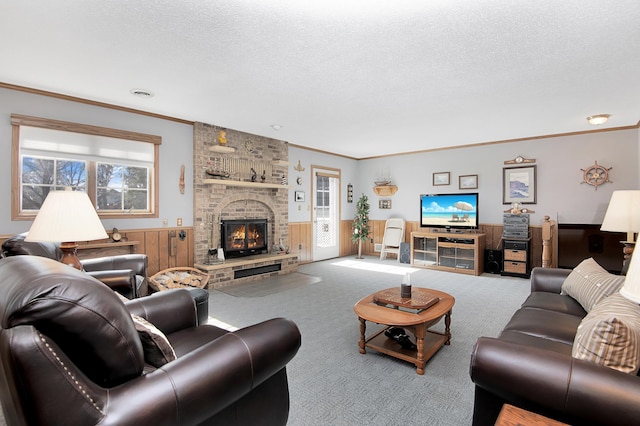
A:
{"x":157,"y":349}
{"x":589,"y":283}
{"x":610,"y":335}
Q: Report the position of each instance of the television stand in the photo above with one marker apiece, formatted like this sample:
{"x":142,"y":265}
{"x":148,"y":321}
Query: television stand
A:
{"x":446,"y":251}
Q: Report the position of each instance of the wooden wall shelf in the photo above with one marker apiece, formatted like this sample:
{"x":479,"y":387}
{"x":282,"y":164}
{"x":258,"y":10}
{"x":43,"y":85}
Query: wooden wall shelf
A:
{"x":245,"y":184}
{"x":385,"y":190}
{"x":107,"y":245}
{"x":220,"y":148}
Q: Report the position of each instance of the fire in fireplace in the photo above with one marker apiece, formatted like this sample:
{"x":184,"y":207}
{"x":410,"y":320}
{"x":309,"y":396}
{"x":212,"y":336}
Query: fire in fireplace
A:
{"x":244,"y":237}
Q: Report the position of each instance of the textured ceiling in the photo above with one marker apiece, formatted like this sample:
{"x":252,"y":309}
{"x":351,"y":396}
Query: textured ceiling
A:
{"x":359,"y":78}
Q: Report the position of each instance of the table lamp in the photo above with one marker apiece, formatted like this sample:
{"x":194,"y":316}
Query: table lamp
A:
{"x":67,"y":217}
{"x":631,"y":287}
{"x":623,"y":215}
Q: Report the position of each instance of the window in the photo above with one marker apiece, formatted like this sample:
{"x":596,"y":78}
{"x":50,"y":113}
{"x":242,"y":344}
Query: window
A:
{"x":118,"y":169}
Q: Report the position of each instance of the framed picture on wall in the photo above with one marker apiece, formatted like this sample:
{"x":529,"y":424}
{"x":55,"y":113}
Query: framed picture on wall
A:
{"x":441,"y":178}
{"x":384,"y":204}
{"x":519,"y":185}
{"x":468,"y":182}
{"x":299,"y":197}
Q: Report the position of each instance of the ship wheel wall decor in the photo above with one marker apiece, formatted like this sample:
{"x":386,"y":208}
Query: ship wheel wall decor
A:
{"x":595,"y":175}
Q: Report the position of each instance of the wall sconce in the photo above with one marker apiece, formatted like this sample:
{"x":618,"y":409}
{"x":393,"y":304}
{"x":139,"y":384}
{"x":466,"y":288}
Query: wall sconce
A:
{"x":598,"y":119}
{"x":349,"y":193}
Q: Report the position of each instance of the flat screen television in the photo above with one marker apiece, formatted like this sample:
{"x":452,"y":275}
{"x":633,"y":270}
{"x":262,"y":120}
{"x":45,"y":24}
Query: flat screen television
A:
{"x":450,"y":211}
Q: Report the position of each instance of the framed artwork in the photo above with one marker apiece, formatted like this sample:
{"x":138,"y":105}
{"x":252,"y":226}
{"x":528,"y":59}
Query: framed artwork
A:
{"x":384,"y":204}
{"x":299,"y":197}
{"x":519,"y":185}
{"x":441,"y":178}
{"x":468,"y":182}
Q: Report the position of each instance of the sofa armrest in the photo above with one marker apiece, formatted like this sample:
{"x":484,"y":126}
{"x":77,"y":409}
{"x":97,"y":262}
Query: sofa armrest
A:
{"x":548,"y":279}
{"x":187,"y":391}
{"x":555,"y":384}
{"x":199,"y":385}
{"x":121,"y":280}
{"x":170,"y":310}
{"x":136,"y":262}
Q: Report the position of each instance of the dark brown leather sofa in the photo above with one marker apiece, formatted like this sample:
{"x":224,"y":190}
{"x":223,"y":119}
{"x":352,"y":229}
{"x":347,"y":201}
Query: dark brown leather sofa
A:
{"x":70,"y":354}
{"x":530,"y":365}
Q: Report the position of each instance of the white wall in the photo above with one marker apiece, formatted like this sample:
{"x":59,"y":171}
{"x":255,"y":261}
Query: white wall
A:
{"x":559,"y":162}
{"x":301,"y":212}
{"x":176,"y":149}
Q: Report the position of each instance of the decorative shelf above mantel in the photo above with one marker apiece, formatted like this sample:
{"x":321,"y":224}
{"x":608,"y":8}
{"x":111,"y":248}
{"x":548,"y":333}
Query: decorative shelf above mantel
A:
{"x":281,"y":163}
{"x":385,"y":190}
{"x":245,"y":184}
{"x":221,"y":148}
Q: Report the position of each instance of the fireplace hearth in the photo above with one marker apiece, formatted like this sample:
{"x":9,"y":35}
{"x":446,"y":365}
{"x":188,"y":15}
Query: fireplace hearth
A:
{"x":244,"y":237}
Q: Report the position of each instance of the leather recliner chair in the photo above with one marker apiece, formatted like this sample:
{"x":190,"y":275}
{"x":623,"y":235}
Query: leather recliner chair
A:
{"x":70,"y":354}
{"x":126,"y":273}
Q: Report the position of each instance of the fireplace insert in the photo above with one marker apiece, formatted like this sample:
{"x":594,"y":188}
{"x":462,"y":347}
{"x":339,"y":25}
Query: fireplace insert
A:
{"x":244,"y":237}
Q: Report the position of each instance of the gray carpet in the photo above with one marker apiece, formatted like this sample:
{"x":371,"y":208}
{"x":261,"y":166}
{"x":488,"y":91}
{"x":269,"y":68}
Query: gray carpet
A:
{"x":271,"y":285}
{"x":331,"y":383}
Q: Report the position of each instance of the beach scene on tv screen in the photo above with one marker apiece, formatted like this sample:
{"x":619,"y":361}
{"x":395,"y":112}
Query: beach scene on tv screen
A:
{"x":450,"y":210}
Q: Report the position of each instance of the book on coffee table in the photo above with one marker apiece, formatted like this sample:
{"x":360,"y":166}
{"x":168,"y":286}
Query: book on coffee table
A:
{"x":419,"y":300}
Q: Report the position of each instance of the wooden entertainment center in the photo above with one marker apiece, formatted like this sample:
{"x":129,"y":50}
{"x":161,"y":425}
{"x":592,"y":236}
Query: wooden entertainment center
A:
{"x":448,"y":251}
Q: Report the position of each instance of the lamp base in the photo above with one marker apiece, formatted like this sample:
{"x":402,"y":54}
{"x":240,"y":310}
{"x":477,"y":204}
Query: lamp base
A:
{"x":627,"y":251}
{"x":69,"y":255}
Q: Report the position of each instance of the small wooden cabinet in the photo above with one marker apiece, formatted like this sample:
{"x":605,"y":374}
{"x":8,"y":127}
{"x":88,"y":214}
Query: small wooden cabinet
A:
{"x":515,"y":258}
{"x":463,"y":253}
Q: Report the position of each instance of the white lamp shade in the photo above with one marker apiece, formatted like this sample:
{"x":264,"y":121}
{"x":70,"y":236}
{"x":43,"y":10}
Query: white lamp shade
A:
{"x":66,"y":216}
{"x":623,"y":213}
{"x":631,"y":287}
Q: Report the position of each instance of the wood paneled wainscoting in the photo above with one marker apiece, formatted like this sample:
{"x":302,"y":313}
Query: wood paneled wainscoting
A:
{"x":301,"y":239}
{"x":165,"y":247}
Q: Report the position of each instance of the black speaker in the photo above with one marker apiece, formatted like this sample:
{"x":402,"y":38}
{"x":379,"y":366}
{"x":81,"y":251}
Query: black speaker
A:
{"x":493,"y":261}
{"x":405,"y":253}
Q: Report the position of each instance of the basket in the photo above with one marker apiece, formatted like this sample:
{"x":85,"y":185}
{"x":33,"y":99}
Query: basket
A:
{"x":181,"y":277}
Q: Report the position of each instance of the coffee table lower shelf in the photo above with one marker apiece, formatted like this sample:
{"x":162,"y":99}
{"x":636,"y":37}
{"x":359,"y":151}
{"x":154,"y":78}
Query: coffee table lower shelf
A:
{"x":433,"y":341}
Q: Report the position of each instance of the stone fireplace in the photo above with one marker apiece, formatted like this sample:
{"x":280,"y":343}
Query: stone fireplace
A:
{"x":255,"y":188}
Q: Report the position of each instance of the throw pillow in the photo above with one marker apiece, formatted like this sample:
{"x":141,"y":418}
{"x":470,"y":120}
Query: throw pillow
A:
{"x":157,"y":349}
{"x":610,"y":335}
{"x":589,"y":283}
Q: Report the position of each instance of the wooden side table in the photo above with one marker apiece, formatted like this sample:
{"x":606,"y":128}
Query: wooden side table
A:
{"x":514,"y":416}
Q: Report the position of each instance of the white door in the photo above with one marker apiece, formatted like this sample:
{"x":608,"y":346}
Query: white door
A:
{"x":326,"y":212}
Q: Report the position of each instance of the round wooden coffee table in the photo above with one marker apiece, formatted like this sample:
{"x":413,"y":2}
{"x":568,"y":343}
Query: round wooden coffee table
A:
{"x":387,"y":308}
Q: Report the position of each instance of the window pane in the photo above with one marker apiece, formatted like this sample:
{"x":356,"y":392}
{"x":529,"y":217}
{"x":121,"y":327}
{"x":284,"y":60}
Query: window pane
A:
{"x":109,"y":199}
{"x":37,"y":170}
{"x":39,"y":175}
{"x":136,"y":177}
{"x":123,"y":187}
{"x":33,"y":196}
{"x":71,"y":173}
{"x":136,"y":200}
